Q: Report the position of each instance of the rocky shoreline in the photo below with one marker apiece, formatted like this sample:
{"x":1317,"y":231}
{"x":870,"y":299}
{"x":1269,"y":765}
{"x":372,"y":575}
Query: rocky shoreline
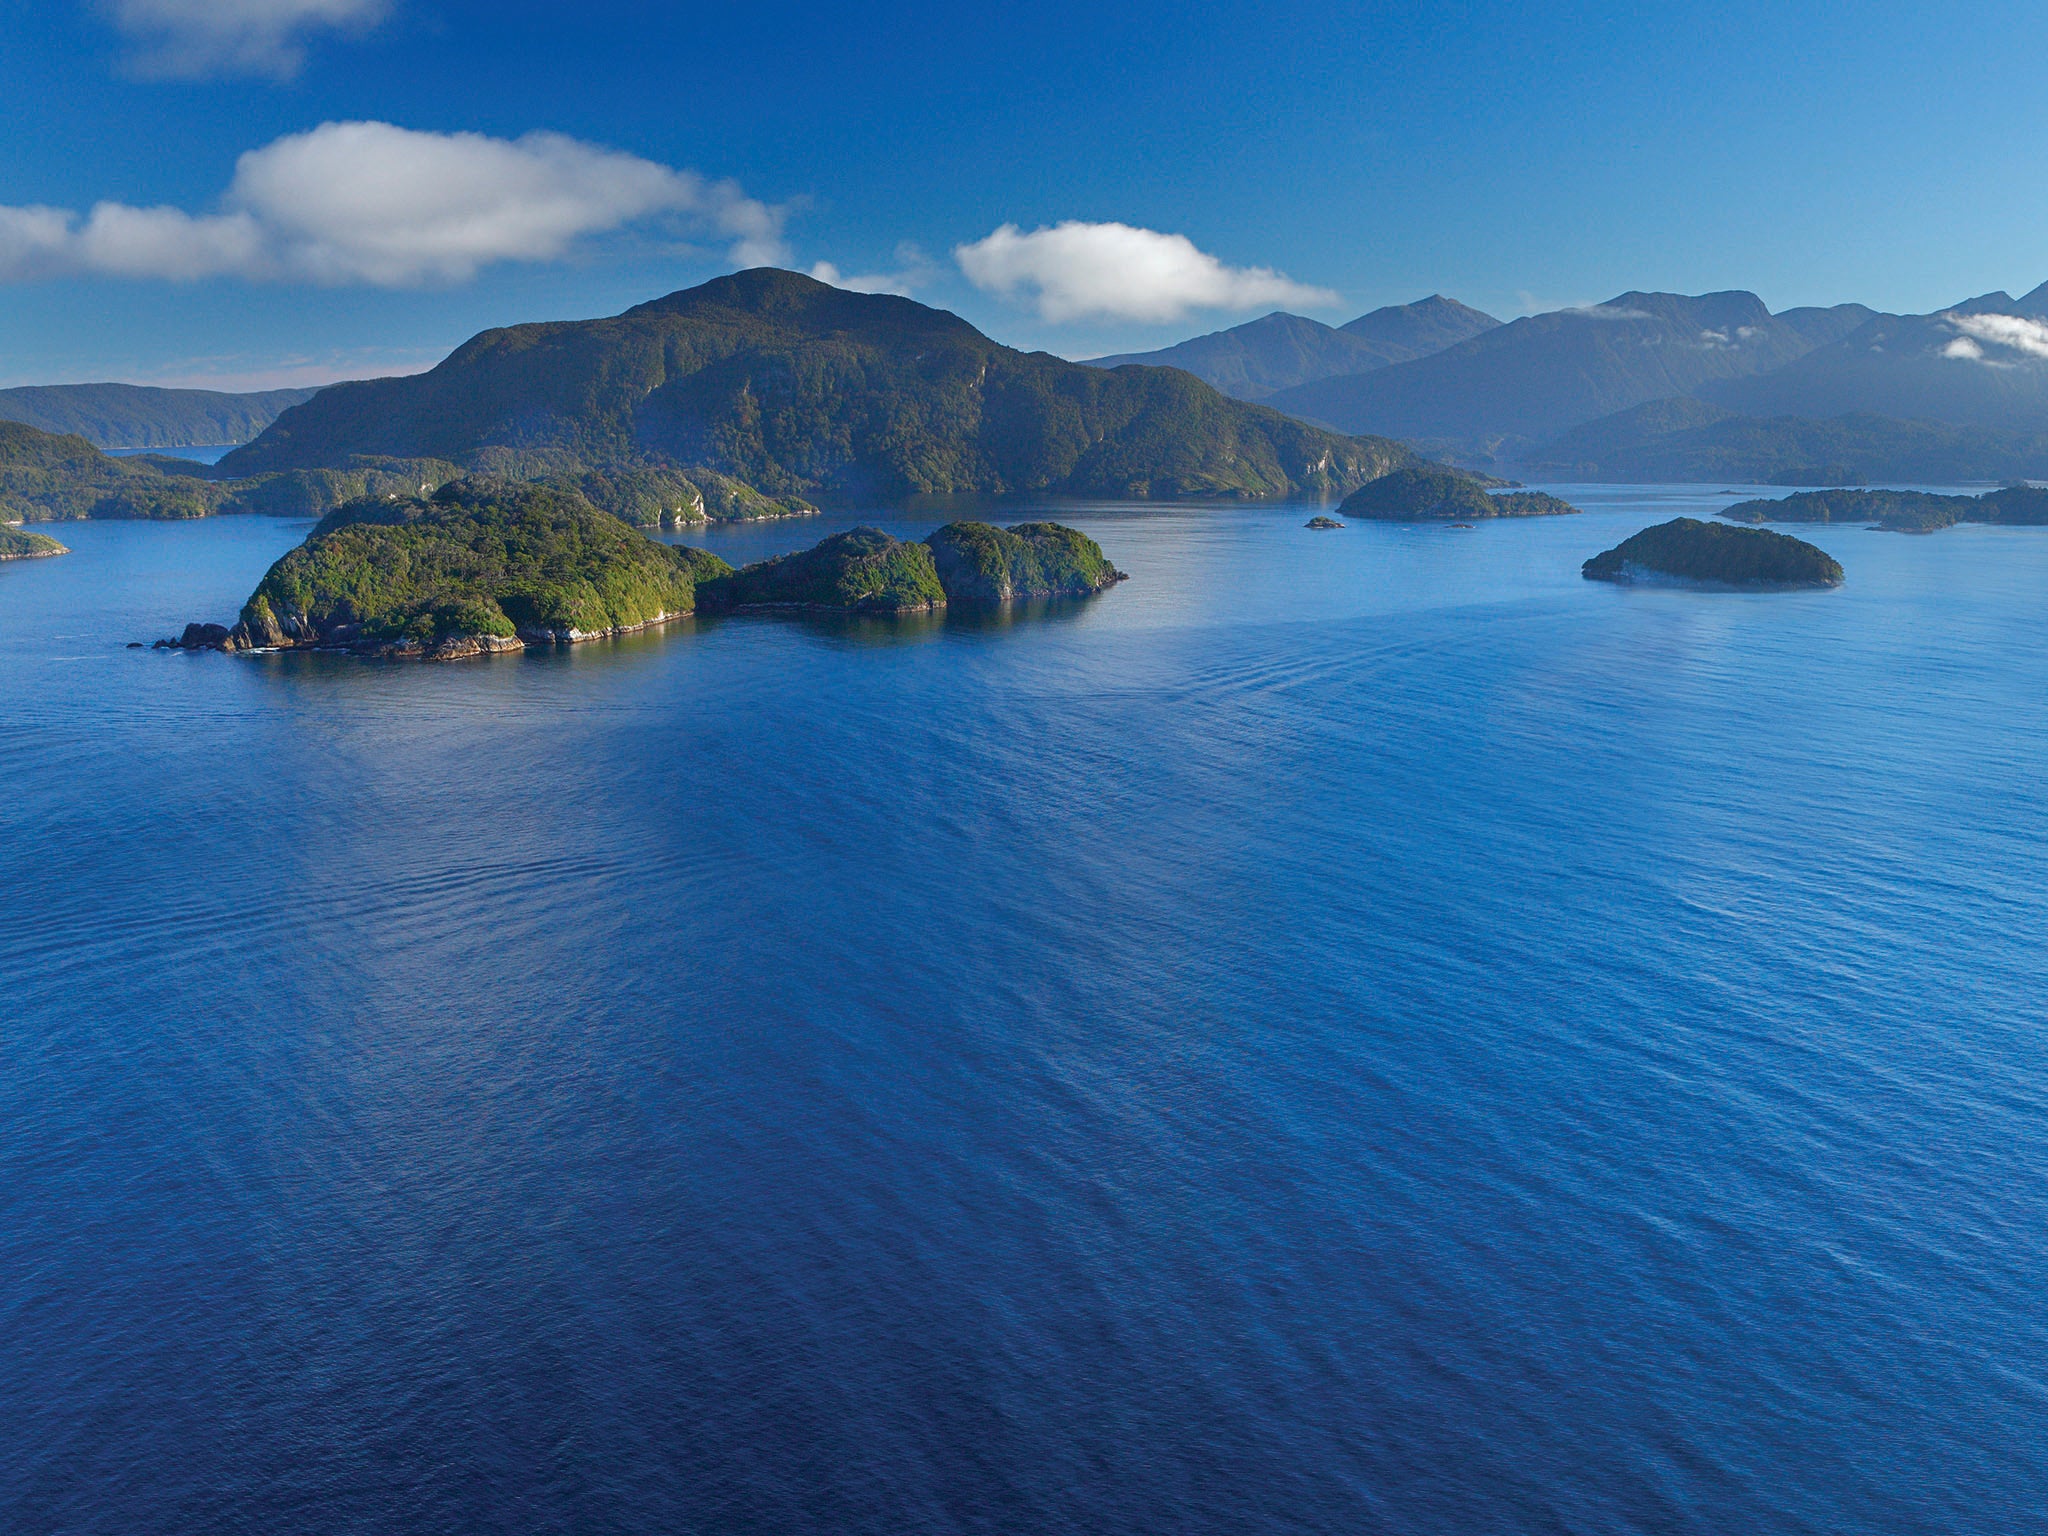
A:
{"x":17,"y":543}
{"x":343,"y":642}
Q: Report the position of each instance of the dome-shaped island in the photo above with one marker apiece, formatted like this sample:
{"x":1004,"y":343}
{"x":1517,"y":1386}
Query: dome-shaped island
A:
{"x":1434,"y":494}
{"x":1689,"y":552}
{"x":867,"y":570}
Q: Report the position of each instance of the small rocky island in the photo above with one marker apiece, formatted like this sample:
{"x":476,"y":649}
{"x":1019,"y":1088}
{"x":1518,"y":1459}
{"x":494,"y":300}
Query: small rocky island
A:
{"x":866,"y":570}
{"x":862,"y":570}
{"x":18,"y":544}
{"x":1432,"y":494}
{"x":1690,"y":552}
{"x":484,"y":565}
{"x":1322,"y":522}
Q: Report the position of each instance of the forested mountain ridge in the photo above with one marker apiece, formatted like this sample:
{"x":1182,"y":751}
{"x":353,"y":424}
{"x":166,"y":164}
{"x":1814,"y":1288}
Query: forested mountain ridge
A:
{"x":799,"y":388}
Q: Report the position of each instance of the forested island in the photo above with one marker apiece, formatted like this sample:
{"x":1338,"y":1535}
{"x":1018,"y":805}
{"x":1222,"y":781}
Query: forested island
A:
{"x":477,"y":567}
{"x":483,"y":565}
{"x":863,"y":569}
{"x":871,"y":571}
{"x":1900,"y":511}
{"x":1715,"y":555}
{"x":1431,"y":493}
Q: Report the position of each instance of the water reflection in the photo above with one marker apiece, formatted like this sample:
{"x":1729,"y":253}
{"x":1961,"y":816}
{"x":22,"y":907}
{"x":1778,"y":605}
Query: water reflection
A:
{"x":840,"y":630}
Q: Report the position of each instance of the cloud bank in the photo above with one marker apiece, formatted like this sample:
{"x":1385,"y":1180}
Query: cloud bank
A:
{"x":1076,"y":271}
{"x":1615,"y":312}
{"x":2021,"y":334}
{"x":373,"y":203}
{"x":194,"y":38}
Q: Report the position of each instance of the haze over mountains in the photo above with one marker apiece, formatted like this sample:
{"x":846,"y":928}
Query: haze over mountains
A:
{"x":1646,"y":386}
{"x":1671,"y":386}
{"x":142,"y":416}
{"x":1979,"y":364}
{"x":1258,"y":359}
{"x":1543,"y":374}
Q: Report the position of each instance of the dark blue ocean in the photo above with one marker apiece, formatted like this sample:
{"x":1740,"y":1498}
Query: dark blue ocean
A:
{"x":1349,"y":1032}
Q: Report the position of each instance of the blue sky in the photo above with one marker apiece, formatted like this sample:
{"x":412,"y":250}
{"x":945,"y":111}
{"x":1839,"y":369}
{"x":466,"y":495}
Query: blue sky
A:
{"x":1322,"y":157}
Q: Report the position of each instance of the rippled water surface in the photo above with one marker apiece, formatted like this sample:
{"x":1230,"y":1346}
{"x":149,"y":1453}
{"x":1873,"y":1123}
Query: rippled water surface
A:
{"x":1349,"y":1032}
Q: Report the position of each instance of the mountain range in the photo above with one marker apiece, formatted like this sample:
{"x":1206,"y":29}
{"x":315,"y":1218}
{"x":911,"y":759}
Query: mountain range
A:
{"x":141,"y":416}
{"x":1981,"y":363}
{"x":1674,"y":386}
{"x":1543,"y":374}
{"x":799,"y":388}
{"x":1260,"y":358}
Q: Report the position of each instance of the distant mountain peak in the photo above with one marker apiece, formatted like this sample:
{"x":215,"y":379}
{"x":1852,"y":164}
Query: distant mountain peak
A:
{"x":1734,"y":306}
{"x":755,"y":288}
{"x":1996,"y":302}
{"x":1280,"y":350}
{"x":774,"y":293}
{"x":1542,"y":374}
{"x":1425,"y":326}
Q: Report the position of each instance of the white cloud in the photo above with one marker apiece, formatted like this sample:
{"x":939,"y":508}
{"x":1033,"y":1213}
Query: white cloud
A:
{"x":1076,"y":271}
{"x":374,"y":203}
{"x":35,"y":241}
{"x":242,"y":372}
{"x":914,"y":271}
{"x":860,"y":282}
{"x":121,"y":241}
{"x":1965,"y":349}
{"x":2029,"y":337}
{"x":193,"y":38}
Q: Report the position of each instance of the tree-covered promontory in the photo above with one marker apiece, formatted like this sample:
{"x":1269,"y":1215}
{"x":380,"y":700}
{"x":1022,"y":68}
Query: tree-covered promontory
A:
{"x":17,"y":544}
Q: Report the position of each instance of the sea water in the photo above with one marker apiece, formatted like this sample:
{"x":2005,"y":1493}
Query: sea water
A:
{"x":1346,"y":1032}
